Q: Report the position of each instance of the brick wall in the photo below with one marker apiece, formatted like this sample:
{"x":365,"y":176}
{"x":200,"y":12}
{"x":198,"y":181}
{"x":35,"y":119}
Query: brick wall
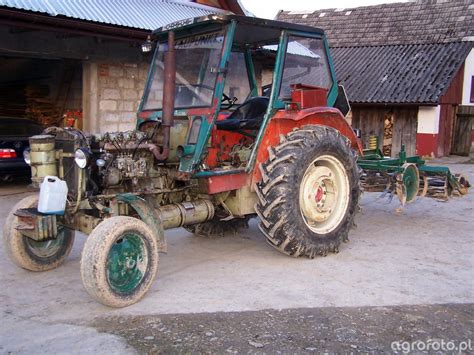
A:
{"x":112,"y":95}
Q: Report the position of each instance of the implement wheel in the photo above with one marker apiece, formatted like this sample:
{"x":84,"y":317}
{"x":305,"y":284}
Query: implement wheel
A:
{"x":30,"y":254}
{"x":309,"y":192}
{"x":408,"y":183}
{"x":119,"y":261}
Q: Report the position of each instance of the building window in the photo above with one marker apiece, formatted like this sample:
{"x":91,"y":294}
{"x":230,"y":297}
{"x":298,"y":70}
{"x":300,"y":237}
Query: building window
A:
{"x":472,"y":90}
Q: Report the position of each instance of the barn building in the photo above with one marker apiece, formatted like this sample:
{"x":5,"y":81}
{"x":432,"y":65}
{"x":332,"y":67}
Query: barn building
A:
{"x":408,"y":69}
{"x":81,"y":60}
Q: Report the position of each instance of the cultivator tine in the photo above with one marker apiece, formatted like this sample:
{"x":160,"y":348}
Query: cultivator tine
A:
{"x":423,"y":186}
{"x":390,"y":197}
{"x":442,"y":186}
{"x":437,"y":187}
{"x":384,"y":193}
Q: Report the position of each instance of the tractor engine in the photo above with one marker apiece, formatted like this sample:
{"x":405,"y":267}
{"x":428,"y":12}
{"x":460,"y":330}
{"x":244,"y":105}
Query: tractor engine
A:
{"x":124,"y":157}
{"x":96,"y":164}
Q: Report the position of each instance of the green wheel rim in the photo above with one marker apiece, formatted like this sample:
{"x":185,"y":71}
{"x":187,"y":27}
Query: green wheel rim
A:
{"x":411,"y":182}
{"x":48,"y":248}
{"x":127,"y":262}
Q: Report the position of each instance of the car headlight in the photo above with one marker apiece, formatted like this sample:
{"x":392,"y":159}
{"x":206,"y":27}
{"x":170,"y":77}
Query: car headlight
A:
{"x":27,"y":156}
{"x":82,"y":157}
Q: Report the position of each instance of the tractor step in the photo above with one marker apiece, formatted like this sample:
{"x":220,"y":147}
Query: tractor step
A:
{"x":36,"y":225}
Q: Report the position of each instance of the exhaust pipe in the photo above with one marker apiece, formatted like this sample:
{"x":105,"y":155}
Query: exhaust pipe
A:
{"x":169,"y":87}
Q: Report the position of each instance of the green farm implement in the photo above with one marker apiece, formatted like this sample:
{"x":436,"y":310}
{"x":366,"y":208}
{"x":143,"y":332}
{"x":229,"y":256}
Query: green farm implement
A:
{"x":407,"y":177}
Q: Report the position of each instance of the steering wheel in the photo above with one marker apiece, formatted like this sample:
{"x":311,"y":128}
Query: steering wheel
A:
{"x":230,"y":102}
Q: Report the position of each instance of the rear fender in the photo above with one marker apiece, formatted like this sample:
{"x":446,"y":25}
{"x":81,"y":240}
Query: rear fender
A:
{"x":284,"y":122}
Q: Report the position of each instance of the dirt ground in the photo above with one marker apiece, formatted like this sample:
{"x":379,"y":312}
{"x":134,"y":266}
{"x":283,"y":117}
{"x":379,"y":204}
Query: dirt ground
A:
{"x":404,"y":276}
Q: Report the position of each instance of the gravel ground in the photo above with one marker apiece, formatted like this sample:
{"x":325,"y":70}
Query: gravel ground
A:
{"x":417,"y":262}
{"x":302,"y":330}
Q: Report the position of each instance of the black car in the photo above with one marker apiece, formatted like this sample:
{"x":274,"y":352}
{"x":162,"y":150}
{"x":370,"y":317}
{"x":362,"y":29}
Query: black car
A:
{"x":14,"y":134}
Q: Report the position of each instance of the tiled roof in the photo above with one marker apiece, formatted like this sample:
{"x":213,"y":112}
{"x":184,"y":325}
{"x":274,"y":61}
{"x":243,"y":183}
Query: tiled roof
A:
{"x":416,"y":73}
{"x":141,"y":14}
{"x":424,"y":21}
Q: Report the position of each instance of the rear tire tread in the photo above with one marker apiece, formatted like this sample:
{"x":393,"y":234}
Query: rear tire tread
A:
{"x":271,"y":190}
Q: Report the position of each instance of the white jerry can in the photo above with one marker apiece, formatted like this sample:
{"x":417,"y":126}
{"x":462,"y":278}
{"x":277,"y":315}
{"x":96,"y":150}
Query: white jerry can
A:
{"x":53,"y":195}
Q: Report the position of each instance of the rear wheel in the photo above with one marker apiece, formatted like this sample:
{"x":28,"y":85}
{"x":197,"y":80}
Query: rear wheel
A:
{"x":31,"y":254}
{"x":119,"y":261}
{"x":309,"y":192}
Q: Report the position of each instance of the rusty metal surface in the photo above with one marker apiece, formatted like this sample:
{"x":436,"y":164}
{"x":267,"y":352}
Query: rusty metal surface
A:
{"x":36,"y":225}
{"x":169,"y":86}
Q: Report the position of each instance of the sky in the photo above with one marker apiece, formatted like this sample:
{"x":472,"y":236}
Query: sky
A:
{"x":269,"y":8}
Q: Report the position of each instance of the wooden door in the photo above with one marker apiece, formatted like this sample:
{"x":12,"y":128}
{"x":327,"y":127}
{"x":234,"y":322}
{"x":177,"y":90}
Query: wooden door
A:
{"x":461,"y":142}
{"x":404,"y":130}
{"x":370,"y":120}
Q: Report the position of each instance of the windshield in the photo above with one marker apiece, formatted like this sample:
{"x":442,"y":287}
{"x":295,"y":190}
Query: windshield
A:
{"x":197,"y":63}
{"x":306,"y":63}
{"x":237,"y":81}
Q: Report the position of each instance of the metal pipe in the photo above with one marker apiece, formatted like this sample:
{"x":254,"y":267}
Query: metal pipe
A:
{"x":129,"y":146}
{"x":169,"y":85}
{"x":185,"y":213}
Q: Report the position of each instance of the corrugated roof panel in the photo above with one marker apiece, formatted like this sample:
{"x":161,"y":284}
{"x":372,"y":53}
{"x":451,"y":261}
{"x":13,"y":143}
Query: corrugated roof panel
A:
{"x":143,"y":14}
{"x":418,"y":73}
{"x":29,"y":5}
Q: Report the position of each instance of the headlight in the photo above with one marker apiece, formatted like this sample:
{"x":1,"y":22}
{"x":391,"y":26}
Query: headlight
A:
{"x":82,"y":157}
{"x":27,"y":156}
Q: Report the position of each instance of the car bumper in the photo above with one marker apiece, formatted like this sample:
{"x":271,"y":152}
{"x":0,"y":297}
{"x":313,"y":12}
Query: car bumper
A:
{"x":14,"y":167}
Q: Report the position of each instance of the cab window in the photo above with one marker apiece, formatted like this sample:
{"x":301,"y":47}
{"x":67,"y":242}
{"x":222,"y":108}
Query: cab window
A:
{"x":237,"y":81}
{"x":306,"y":63}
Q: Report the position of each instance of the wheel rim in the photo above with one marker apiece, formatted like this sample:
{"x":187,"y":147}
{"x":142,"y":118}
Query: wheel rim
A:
{"x":324,"y":194}
{"x":126,"y":263}
{"x":411,"y":181}
{"x":47,"y":248}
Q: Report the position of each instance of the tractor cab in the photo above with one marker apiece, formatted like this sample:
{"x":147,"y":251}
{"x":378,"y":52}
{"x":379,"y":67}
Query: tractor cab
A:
{"x":223,"y":79}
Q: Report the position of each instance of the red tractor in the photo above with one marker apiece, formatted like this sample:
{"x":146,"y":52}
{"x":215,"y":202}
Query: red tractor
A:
{"x":240,"y":117}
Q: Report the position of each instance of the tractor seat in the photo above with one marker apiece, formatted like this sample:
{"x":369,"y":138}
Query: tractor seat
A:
{"x":249,"y":115}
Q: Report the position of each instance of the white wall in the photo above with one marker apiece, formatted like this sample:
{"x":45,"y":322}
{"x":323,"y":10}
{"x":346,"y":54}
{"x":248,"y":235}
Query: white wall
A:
{"x":468,"y":74}
{"x":428,"y":119}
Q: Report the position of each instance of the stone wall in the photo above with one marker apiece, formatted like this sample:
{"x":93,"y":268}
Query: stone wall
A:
{"x":112,"y":95}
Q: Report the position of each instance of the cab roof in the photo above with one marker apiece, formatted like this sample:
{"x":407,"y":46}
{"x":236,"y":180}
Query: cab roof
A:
{"x":199,"y":24}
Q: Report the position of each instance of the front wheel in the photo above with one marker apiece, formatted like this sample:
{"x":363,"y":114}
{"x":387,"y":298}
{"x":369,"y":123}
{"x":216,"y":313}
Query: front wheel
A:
{"x":119,"y":261}
{"x":309,"y":192}
{"x":30,"y":254}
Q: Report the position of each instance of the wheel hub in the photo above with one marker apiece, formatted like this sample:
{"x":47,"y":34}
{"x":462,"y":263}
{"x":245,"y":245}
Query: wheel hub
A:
{"x":319,"y":194}
{"x":323,"y":192}
{"x":126,"y":263}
